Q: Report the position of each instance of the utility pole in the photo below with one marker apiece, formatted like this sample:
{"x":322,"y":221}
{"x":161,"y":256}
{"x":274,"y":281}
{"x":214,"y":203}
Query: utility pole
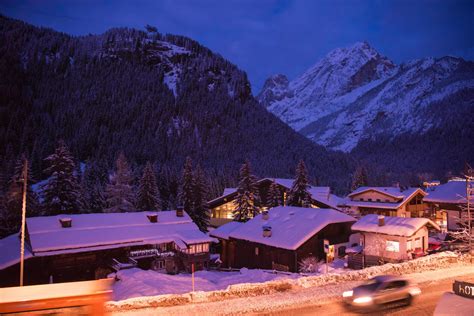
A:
{"x":469,"y":178}
{"x":23,"y":221}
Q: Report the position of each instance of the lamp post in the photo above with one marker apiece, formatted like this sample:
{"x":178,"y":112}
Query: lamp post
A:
{"x":469,"y":191}
{"x":23,"y":220}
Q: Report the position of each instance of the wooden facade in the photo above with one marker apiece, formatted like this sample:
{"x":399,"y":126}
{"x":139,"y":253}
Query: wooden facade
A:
{"x":238,"y":253}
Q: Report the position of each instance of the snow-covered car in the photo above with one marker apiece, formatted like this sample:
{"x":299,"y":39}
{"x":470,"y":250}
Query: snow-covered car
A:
{"x":379,"y":291}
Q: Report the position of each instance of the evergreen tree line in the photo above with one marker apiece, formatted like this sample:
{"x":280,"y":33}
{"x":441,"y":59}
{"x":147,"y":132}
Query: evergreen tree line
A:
{"x":73,"y":189}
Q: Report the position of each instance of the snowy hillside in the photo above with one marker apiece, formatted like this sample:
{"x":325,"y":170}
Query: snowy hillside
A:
{"x":355,"y":93}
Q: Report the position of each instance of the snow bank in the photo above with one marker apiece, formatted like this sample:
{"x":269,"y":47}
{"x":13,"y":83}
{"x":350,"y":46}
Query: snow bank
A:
{"x":285,"y":283}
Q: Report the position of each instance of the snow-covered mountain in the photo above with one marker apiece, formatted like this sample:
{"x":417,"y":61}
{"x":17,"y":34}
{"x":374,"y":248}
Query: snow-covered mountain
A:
{"x":355,"y":94}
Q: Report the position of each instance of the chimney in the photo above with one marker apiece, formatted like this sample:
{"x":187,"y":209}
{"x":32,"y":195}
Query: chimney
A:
{"x":267,"y":231}
{"x":265,"y":216}
{"x":152,"y":217}
{"x":66,"y":222}
{"x":381,"y":220}
{"x":179,"y":211}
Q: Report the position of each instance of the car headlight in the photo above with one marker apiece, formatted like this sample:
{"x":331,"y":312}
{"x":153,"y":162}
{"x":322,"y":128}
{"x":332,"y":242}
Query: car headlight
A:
{"x":363,"y":299}
{"x":414,"y":291}
{"x":347,"y":293}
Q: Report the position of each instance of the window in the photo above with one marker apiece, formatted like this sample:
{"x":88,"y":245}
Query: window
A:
{"x":392,"y":246}
{"x":409,"y":245}
{"x":418,"y":244}
{"x":370,"y":200}
{"x":395,"y":285}
{"x":341,"y":251}
{"x":361,"y":199}
{"x":256,"y":251}
{"x":378,"y":200}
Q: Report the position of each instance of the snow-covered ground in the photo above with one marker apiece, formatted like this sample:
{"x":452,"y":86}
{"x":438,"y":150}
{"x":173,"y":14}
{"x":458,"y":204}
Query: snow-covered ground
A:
{"x":228,"y":286}
{"x":137,"y":283}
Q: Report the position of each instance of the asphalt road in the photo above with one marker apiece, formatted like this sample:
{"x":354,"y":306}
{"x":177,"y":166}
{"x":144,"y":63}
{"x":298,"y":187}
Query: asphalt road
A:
{"x":424,"y":304}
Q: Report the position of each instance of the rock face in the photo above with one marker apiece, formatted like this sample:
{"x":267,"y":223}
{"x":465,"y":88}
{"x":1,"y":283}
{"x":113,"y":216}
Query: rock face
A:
{"x":355,"y":94}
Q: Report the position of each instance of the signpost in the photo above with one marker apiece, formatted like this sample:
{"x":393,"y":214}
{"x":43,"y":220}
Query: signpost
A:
{"x":326,"y":251}
{"x":23,"y":222}
{"x":464,"y":289}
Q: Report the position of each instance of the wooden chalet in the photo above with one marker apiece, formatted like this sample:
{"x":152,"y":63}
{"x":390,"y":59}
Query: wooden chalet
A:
{"x":281,"y":238}
{"x":445,"y":202}
{"x":89,"y":246}
{"x":388,"y":201}
{"x":222,"y":207}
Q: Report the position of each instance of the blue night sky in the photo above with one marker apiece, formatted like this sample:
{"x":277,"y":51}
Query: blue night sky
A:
{"x":264,"y":37}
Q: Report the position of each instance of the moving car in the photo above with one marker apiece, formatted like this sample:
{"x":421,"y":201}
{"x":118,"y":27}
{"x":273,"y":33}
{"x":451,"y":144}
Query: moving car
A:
{"x":379,"y":291}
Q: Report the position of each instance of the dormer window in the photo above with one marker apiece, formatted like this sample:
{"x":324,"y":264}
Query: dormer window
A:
{"x":370,"y":200}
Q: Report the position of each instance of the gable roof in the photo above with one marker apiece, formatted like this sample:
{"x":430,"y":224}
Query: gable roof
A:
{"x":318,"y":193}
{"x":110,"y":230}
{"x":225,"y":230}
{"x":291,"y":226}
{"x":394,"y":226}
{"x":394,"y":192}
{"x":450,"y":192}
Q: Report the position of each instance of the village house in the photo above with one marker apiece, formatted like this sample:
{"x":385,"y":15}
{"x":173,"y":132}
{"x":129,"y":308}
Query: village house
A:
{"x":89,"y":246}
{"x":389,"y":239}
{"x":445,"y":203}
{"x":388,"y":201}
{"x":281,"y":238}
{"x":222,"y":207}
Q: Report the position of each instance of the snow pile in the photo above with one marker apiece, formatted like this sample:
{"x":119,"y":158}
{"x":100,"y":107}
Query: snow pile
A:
{"x":283,"y":284}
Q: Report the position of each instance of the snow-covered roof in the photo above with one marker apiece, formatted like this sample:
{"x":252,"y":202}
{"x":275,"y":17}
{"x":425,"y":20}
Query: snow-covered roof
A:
{"x":394,"y":192}
{"x":450,"y":192}
{"x":394,"y":226}
{"x":228,"y":191}
{"x":10,"y":251}
{"x":110,"y":230}
{"x":291,"y":226}
{"x":224,"y":230}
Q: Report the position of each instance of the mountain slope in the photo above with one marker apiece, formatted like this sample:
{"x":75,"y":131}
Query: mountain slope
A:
{"x":355,"y":98}
{"x":155,"y":97}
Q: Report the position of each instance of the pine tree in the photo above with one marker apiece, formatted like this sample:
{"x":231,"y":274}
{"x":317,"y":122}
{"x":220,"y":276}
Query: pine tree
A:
{"x":201,"y":195}
{"x":186,"y":194}
{"x":93,"y":187}
{"x":11,"y":202}
{"x":359,"y":179}
{"x":247,"y":195}
{"x":274,"y":195}
{"x":119,"y":191}
{"x":61,"y":194}
{"x":299,"y":195}
{"x":148,"y":195}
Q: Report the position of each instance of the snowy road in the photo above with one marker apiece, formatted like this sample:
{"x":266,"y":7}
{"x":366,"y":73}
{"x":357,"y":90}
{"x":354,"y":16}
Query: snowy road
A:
{"x":317,"y":300}
{"x":423,"y":305}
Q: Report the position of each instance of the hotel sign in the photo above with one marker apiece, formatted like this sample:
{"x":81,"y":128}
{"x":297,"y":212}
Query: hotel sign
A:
{"x":464,"y":289}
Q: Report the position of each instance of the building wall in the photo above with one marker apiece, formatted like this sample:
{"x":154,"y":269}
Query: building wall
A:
{"x":376,"y":245}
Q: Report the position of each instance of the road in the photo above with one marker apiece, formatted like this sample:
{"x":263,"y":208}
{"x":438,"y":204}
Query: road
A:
{"x":425,"y":304}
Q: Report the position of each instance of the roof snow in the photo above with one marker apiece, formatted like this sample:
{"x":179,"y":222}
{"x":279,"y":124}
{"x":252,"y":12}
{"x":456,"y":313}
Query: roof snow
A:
{"x":450,"y":192}
{"x":110,"y":230}
{"x":10,"y":250}
{"x":291,"y":226}
{"x":395,"y":226}
{"x":225,"y":230}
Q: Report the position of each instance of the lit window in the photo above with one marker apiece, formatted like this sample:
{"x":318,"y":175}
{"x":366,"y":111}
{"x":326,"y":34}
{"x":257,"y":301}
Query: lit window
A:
{"x":418,"y":243}
{"x":256,"y":251}
{"x":392,"y":246}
